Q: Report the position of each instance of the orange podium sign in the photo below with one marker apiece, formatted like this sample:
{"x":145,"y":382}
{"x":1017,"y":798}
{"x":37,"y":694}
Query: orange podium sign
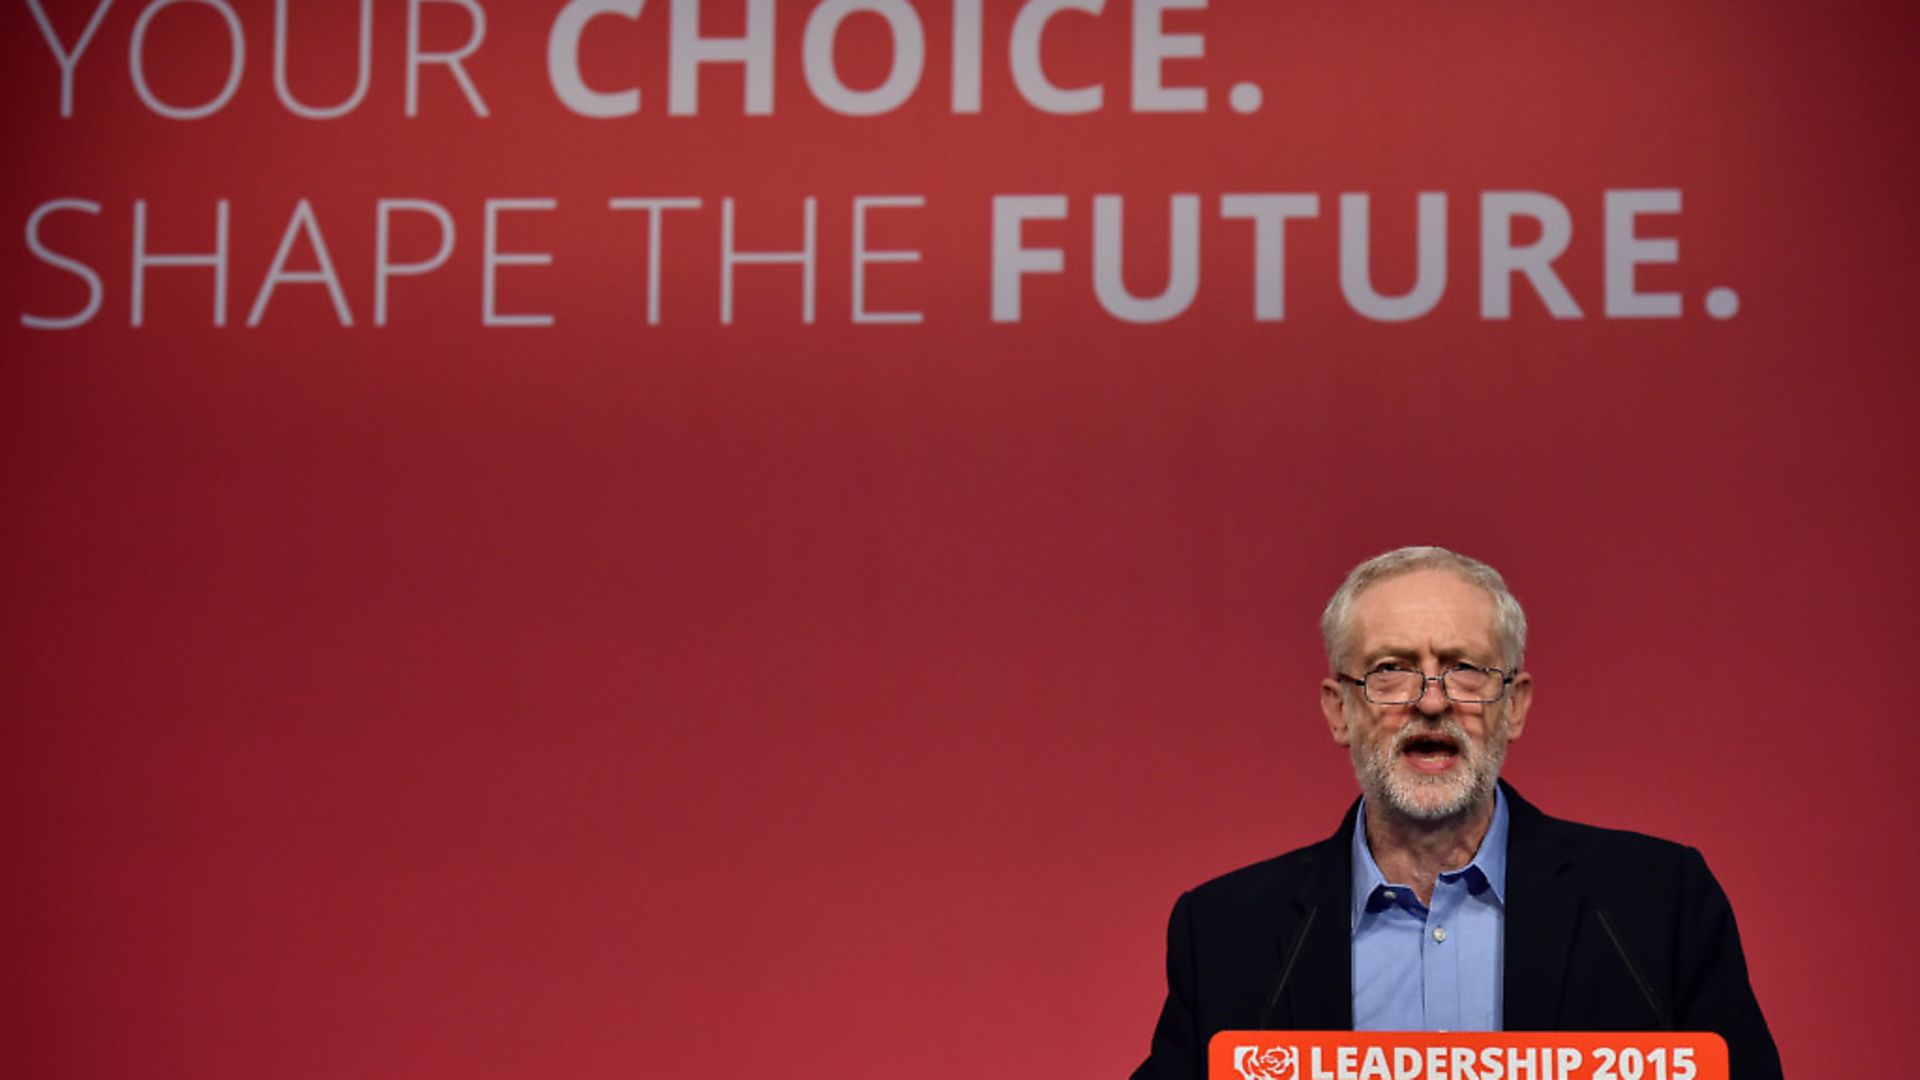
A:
{"x":1468,"y":1055}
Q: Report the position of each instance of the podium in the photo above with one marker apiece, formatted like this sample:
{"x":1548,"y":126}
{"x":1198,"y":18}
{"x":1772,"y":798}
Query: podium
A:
{"x":1466,"y":1055}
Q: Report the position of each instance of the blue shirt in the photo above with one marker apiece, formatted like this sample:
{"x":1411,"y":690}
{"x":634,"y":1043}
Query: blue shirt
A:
{"x":1438,"y":968}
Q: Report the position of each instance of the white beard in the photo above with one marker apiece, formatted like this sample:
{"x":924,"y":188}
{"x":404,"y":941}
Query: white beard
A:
{"x":1387,"y":782}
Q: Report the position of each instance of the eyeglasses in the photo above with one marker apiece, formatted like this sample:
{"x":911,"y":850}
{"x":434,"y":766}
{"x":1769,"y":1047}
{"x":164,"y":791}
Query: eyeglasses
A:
{"x":1462,"y":684}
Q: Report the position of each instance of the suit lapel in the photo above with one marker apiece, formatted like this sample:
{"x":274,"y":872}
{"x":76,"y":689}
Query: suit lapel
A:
{"x":1319,"y":990}
{"x":1542,"y":909}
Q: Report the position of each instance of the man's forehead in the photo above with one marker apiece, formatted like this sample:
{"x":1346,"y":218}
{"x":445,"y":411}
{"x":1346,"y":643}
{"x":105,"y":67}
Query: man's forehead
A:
{"x":1425,"y":609}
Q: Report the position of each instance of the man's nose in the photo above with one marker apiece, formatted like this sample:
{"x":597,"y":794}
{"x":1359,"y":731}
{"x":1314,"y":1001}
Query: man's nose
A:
{"x":1433,"y":697}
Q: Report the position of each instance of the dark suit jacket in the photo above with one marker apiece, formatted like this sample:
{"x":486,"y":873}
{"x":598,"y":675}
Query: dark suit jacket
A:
{"x":1605,"y":931}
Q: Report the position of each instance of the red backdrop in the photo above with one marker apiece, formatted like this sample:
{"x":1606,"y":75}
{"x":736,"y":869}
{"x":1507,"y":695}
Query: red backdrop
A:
{"x":664,"y":694}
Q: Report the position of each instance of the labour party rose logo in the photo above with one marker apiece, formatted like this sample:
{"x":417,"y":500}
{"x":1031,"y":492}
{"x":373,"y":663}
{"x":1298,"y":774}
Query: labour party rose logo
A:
{"x":1272,"y":1063}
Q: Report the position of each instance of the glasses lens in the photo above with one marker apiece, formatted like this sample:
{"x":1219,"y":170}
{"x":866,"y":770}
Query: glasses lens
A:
{"x":1391,"y":686}
{"x":1470,"y":684}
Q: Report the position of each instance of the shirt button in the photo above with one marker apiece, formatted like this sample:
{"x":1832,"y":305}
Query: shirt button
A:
{"x":1439,"y":933}
{"x":1389,"y":896}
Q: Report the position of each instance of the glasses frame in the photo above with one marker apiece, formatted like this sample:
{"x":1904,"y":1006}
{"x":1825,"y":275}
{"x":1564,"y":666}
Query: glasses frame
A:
{"x":1426,"y":680}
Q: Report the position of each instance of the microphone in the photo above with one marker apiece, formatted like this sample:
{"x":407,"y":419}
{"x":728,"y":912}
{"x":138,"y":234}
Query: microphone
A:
{"x":1646,"y":990}
{"x":1286,"y":969}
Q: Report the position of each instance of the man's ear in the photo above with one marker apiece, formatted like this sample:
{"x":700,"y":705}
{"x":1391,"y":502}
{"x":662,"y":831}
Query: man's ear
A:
{"x":1519,"y":700}
{"x":1333,"y":705}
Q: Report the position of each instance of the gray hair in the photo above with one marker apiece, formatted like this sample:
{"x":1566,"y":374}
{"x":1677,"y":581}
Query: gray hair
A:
{"x":1510,"y":623}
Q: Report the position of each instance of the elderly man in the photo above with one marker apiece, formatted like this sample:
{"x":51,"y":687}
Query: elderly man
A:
{"x":1446,"y":902}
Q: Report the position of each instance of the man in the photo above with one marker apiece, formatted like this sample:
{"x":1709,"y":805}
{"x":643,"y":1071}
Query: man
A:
{"x":1445,"y":901}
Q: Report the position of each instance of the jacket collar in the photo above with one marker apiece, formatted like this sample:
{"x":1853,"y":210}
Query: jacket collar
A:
{"x":1542,"y":909}
{"x":1317,"y":940}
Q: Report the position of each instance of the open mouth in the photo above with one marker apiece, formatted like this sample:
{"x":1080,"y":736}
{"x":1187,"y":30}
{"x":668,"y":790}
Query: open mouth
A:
{"x":1430,"y":751}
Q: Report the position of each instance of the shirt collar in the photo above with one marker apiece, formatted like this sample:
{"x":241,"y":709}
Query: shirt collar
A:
{"x":1489,"y":865}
